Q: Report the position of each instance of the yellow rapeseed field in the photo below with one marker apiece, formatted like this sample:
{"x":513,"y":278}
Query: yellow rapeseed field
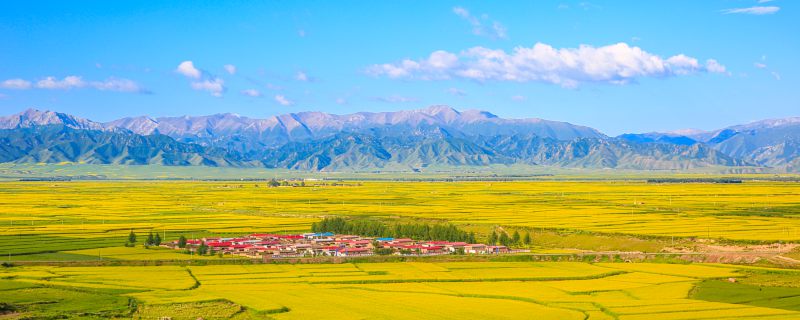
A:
{"x":446,"y":290}
{"x":58,"y":216}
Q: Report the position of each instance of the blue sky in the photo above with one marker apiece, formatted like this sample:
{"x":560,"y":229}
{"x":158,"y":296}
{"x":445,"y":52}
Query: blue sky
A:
{"x":622,"y":66}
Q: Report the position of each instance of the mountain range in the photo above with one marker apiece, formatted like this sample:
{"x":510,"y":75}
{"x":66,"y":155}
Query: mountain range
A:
{"x":402,"y":140}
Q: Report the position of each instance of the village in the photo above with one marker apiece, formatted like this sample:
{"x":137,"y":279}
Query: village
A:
{"x":276,"y":246}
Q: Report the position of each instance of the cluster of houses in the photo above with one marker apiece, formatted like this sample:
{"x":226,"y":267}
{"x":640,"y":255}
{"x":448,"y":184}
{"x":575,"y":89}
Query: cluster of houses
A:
{"x":329,"y":244}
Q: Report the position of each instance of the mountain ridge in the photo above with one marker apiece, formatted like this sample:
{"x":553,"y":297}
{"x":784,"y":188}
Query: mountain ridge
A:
{"x":437,"y":135}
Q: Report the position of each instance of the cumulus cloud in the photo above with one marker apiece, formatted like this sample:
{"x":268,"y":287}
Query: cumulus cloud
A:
{"x":715,"y":67}
{"x":119,"y":85}
{"x":215,"y":86}
{"x":74,"y":82}
{"x":395,"y":99}
{"x":456,"y":92}
{"x":274,"y":87}
{"x":17,"y":84}
{"x":282,"y":100}
{"x":68,"y":82}
{"x":203,"y":80}
{"x":760,"y":65}
{"x":568,"y":67}
{"x":251,"y":93}
{"x":187,"y":69}
{"x":495,"y":30}
{"x":230,"y":69}
{"x":757,"y":10}
{"x":301,"y":76}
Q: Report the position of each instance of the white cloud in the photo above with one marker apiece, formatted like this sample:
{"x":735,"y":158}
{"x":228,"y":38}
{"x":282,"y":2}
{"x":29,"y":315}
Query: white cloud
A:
{"x":280,"y":99}
{"x":715,"y":67}
{"x":341,"y":101}
{"x":588,"y":6}
{"x":757,"y":10}
{"x":518,"y":98}
{"x":251,"y":93}
{"x":118,"y":84}
{"x":396,"y":99}
{"x":187,"y":69}
{"x":68,"y":82}
{"x":273,"y":87}
{"x":495,"y":31}
{"x":230,"y":69}
{"x":760,"y":65}
{"x":204,"y":81}
{"x":776,"y":75}
{"x":303,"y":76}
{"x":456,"y":92}
{"x":568,"y":67}
{"x":765,"y":1}
{"x":17,"y":84}
{"x":215,"y":86}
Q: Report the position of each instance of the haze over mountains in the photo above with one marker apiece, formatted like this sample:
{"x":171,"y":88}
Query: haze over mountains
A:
{"x":403,"y":140}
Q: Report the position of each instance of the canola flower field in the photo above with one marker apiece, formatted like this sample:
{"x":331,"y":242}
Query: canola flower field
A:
{"x":83,"y":220}
{"x":402,"y":290}
{"x":47,"y":217}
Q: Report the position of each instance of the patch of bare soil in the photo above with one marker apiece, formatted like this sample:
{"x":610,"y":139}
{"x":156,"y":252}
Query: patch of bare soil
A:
{"x":718,"y":253}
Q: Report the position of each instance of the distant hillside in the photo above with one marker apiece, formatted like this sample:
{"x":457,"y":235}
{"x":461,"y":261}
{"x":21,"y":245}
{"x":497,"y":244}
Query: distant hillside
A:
{"x":61,"y":143}
{"x":435,"y":136}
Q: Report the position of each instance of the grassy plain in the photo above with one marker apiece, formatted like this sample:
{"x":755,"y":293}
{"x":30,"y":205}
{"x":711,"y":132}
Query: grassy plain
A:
{"x":421,"y":290}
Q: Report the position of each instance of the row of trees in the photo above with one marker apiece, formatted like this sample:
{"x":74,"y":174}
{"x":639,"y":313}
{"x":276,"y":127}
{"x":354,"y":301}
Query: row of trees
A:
{"x":505,"y":240}
{"x":418,"y":231}
{"x":152,"y":239}
{"x":372,"y":228}
{"x":283,"y":183}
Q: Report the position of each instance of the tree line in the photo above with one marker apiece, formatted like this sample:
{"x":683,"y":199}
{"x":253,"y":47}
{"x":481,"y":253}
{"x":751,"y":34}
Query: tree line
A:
{"x":372,"y":228}
{"x":153,"y":239}
{"x":504,"y":239}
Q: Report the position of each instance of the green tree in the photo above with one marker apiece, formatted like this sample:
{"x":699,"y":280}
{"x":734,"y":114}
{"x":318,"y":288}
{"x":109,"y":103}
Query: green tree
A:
{"x":182,"y":242}
{"x":273,"y":183}
{"x":504,"y":239}
{"x":492,"y":238}
{"x":515,"y":237}
{"x":471,"y":237}
{"x":202,"y":249}
{"x":150,"y":240}
{"x":132,"y":237}
{"x":527,"y":239}
{"x":157,"y":240}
